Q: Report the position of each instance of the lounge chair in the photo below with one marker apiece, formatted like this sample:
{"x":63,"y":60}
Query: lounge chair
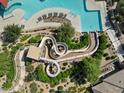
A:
{"x":39,"y":18}
{"x":60,"y":15}
{"x":49,"y":15}
{"x":44,"y":16}
{"x":55,"y":14}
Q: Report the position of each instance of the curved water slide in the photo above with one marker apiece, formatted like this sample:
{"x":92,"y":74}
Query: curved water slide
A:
{"x":55,"y":45}
{"x":91,"y":49}
{"x":73,"y":54}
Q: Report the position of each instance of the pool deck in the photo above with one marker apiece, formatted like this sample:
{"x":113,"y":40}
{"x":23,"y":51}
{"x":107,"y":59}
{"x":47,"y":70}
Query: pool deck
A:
{"x":32,"y":22}
{"x":16,"y":17}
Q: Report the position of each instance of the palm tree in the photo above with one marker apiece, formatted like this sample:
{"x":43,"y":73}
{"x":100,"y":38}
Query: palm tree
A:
{"x":11,"y":33}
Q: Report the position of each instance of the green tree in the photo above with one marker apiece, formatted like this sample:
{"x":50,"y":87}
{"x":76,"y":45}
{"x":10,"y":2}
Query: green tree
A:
{"x":64,"y":33}
{"x":102,"y":46}
{"x":7,"y":84}
{"x":29,"y":77}
{"x":91,"y":70}
{"x":33,"y":87}
{"x":11,"y":33}
{"x":120,"y":10}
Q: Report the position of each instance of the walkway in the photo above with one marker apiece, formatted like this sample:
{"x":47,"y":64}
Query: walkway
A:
{"x":116,"y":43}
{"x":21,"y":68}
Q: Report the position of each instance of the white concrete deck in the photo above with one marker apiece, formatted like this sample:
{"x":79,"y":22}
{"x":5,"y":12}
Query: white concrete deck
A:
{"x":14,"y":18}
{"x":116,"y":43}
{"x":32,"y":22}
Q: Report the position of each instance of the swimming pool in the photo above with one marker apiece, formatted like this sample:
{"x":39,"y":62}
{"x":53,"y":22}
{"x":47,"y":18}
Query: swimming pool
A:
{"x":90,"y":20}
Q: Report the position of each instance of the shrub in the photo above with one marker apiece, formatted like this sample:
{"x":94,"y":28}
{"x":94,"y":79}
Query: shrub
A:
{"x":35,"y":39}
{"x":24,"y":37}
{"x":33,"y":87}
{"x":65,"y":64}
{"x":113,"y":57}
{"x":51,"y":91}
{"x":7,"y":84}
{"x":108,"y":58}
{"x":29,"y":77}
{"x":105,"y":54}
{"x":60,"y":88}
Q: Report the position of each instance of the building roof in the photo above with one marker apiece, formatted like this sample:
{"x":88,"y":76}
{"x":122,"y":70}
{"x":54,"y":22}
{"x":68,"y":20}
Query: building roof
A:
{"x":106,"y":88}
{"x":34,"y":53}
{"x":4,"y":3}
{"x":112,"y":84}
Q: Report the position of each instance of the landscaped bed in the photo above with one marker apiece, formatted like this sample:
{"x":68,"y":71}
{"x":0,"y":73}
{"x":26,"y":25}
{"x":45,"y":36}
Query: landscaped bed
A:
{"x":7,"y":68}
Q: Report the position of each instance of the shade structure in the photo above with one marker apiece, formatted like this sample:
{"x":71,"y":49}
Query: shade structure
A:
{"x":4,"y":3}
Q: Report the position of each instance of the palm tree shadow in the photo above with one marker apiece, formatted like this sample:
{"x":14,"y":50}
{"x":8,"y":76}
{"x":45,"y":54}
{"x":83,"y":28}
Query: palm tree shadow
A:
{"x":121,"y":49}
{"x":2,"y":10}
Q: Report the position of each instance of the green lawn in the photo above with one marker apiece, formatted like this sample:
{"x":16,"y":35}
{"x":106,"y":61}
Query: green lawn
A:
{"x":7,"y":68}
{"x":35,"y":39}
{"x":7,"y":64}
{"x":24,"y":37}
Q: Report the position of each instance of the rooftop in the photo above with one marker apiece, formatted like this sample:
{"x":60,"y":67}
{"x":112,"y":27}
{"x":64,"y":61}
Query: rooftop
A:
{"x":34,"y":52}
{"x":112,"y":84}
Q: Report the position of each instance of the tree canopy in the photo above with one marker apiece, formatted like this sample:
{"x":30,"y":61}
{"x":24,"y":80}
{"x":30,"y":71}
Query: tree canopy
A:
{"x":64,"y":33}
{"x":91,"y":70}
{"x":11,"y":33}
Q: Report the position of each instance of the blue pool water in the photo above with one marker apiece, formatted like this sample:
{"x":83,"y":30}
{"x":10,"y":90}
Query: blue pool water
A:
{"x":90,"y":20}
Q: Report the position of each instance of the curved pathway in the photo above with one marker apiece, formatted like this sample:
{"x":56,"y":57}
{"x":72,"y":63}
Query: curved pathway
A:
{"x":21,"y":68}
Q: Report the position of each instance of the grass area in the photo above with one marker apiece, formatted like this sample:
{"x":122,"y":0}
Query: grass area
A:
{"x":10,"y":46}
{"x":24,"y":37}
{"x":7,"y":68}
{"x":35,"y":39}
{"x":7,"y":64}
